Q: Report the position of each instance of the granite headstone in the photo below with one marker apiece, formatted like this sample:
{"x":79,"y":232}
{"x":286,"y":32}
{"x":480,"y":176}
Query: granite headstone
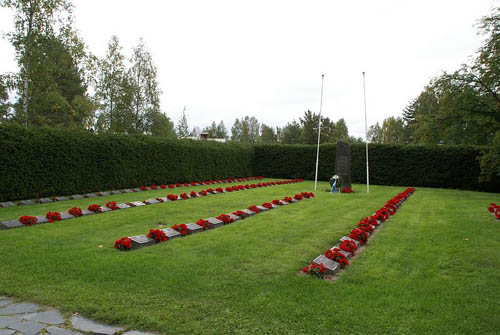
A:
{"x":343,"y":163}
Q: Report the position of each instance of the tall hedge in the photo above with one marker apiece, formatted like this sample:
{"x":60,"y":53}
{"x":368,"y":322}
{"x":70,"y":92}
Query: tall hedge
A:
{"x":47,"y":162}
{"x":406,"y":165}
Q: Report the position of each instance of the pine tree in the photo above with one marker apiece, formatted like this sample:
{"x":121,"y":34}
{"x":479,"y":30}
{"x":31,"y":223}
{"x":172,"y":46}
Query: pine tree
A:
{"x":182,"y":129}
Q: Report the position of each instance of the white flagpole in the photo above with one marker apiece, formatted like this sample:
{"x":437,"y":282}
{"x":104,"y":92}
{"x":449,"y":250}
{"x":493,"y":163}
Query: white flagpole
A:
{"x":366,"y":140}
{"x":319,"y":133}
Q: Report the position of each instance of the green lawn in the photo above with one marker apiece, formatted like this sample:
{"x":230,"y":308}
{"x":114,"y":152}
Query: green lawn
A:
{"x":433,"y":268}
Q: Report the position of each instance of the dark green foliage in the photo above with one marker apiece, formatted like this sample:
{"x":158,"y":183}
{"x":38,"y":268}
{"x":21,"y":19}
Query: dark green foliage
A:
{"x":39,"y":162}
{"x":431,"y":166}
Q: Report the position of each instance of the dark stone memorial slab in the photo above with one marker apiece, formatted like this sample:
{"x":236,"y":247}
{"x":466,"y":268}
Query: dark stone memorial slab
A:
{"x":346,"y":253}
{"x":26,"y":202}
{"x":66,"y":215}
{"x":171,"y":233}
{"x":141,"y":241}
{"x":90,"y":195}
{"x":76,"y":197}
{"x":262,"y":208}
{"x":123,"y":206}
{"x":331,"y":266}
{"x":7,"y":204}
{"x":349,"y":239}
{"x":11,"y":224}
{"x":249,"y":212}
{"x":214,"y":223}
{"x":103,"y":194}
{"x":87,"y":212}
{"x":137,"y":203}
{"x":116,"y":192}
{"x":343,"y":164}
{"x":42,"y":219}
{"x":295,"y":200}
{"x":61,"y":198}
{"x":234,"y":217}
{"x":151,"y":201}
{"x":193,"y":228}
{"x":105,"y":209}
{"x":45,"y":200}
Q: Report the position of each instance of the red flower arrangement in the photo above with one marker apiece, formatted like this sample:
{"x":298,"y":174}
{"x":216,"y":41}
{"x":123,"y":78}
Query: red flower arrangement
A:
{"x":276,"y":202}
{"x":349,"y":246}
{"x":337,"y":256}
{"x":95,"y":208}
{"x":75,"y":211}
{"x":219,"y":189}
{"x":267,"y":205}
{"x":123,"y":244}
{"x":203,"y":193}
{"x":359,"y":235}
{"x":193,"y":194}
{"x":254,"y":209}
{"x":181,"y":228}
{"x":178,"y":185}
{"x":160,"y":199}
{"x":157,"y":235}
{"x":364,"y":226}
{"x":193,"y":183}
{"x":298,"y":197}
{"x":184,"y":196}
{"x":229,"y":189}
{"x":211,"y":190}
{"x":154,"y":187}
{"x":315,"y":270}
{"x":307,"y":195}
{"x":287,"y":199}
{"x":171,"y":185}
{"x":172,"y":197}
{"x":225,"y":218}
{"x":111,"y":205}
{"x":347,"y":190}
{"x":144,"y":188}
{"x":241,"y":214}
{"x":28,"y":220}
{"x":186,"y":184}
{"x":163,"y":187}
{"x":53,"y":216}
{"x":203,"y":223}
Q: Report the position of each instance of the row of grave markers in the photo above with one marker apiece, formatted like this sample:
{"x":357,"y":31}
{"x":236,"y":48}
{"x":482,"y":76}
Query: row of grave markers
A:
{"x":331,"y":261}
{"x":102,"y":209}
{"x":128,"y":190}
{"x":162,"y":235}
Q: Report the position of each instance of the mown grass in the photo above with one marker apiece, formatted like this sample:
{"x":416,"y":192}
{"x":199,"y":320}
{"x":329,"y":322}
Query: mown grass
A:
{"x":433,"y":268}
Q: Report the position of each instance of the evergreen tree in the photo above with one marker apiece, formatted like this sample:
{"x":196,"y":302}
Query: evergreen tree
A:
{"x":292,"y":133}
{"x":236,"y":130}
{"x":221,"y":130}
{"x":182,"y":129}
{"x":267,"y":135}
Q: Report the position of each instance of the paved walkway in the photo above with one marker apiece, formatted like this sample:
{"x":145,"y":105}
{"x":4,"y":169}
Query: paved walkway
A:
{"x":32,"y":319}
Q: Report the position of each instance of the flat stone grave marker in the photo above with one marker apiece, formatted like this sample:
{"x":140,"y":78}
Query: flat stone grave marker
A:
{"x":103,"y":194}
{"x":87,"y":212}
{"x":141,"y":241}
{"x":66,"y":215}
{"x":137,"y":190}
{"x":116,"y":192}
{"x":249,"y":212}
{"x":128,"y":190}
{"x":214,"y":223}
{"x":61,"y":198}
{"x":331,"y":266}
{"x":151,"y":201}
{"x":76,"y":197}
{"x":90,"y":195}
{"x":42,"y":219}
{"x":262,"y":208}
{"x":171,"y":233}
{"x":45,"y":200}
{"x":284,"y":203}
{"x":11,"y":224}
{"x":234,"y":217}
{"x":137,"y":203}
{"x":7,"y":204}
{"x":343,"y":163}
{"x":165,"y":199}
{"x":123,"y":206}
{"x":26,"y":202}
{"x":346,"y":253}
{"x":105,"y":209}
{"x":193,"y":228}
{"x":349,"y":239}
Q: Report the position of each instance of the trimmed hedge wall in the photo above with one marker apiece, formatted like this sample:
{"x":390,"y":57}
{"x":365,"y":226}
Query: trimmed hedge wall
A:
{"x":405,"y":165}
{"x":46,"y":162}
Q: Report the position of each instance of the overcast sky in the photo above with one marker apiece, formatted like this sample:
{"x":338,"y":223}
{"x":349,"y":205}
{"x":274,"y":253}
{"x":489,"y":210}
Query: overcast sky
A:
{"x":226,"y":59}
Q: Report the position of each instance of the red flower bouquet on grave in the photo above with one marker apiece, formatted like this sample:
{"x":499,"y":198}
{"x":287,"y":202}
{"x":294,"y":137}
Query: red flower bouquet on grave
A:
{"x":123,"y":244}
{"x":359,"y":235}
{"x":163,"y":187}
{"x":347,"y":190}
{"x":112,"y":205}
{"x":53,"y":216}
{"x":178,"y":184}
{"x":144,"y":188}
{"x":193,"y":183}
{"x":160,"y":199}
{"x":172,"y":197}
{"x":193,"y":194}
{"x":28,"y":220}
{"x":365,"y":226}
{"x":219,"y":189}
{"x":337,"y":256}
{"x":171,"y":185}
{"x":203,"y":193}
{"x":229,"y":189}
{"x":254,"y":209}
{"x":307,"y":195}
{"x":211,"y":190}
{"x":276,"y":202}
{"x":181,"y":228}
{"x":95,"y":208}
{"x":203,"y":223}
{"x":157,"y":235}
{"x":267,"y":205}
{"x":184,"y":196}
{"x":75,"y":211}
{"x":225,"y":218}
{"x":241,"y":214}
{"x":298,"y":197}
{"x":349,"y":246}
{"x":315,"y":270}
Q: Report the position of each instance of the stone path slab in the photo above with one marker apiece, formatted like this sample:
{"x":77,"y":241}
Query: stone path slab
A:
{"x":86,"y":325}
{"x":51,"y":317}
{"x":20,"y":308}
